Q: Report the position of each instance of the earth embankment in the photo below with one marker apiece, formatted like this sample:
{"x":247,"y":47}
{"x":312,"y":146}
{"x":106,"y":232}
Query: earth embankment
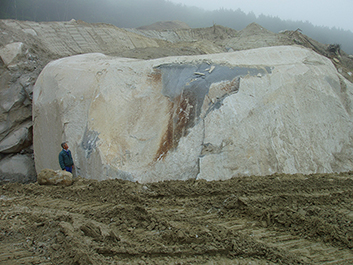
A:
{"x":277,"y":219}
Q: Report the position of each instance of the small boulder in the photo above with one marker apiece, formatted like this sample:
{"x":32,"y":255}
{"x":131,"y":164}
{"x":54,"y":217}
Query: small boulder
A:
{"x":54,"y":177}
{"x":11,"y":51}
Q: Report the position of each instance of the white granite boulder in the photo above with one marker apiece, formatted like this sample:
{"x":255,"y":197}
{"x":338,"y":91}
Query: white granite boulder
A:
{"x":254,"y":112}
{"x":54,"y":177}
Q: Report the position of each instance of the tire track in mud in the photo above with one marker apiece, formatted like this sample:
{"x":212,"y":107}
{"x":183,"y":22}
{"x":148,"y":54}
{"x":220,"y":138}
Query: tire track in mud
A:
{"x":262,"y":220}
{"x":16,"y":255}
{"x":330,"y":244}
{"x":309,"y":251}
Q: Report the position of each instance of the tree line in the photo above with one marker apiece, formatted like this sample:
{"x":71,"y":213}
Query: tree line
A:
{"x":135,"y":13}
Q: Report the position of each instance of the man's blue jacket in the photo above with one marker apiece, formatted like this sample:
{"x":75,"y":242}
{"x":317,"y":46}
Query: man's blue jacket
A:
{"x":65,"y":159}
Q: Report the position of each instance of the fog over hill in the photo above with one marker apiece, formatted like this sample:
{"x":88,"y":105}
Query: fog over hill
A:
{"x":137,"y":13}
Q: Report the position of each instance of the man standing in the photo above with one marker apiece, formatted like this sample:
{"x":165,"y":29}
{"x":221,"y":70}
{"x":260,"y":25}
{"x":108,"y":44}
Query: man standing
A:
{"x":65,"y":159}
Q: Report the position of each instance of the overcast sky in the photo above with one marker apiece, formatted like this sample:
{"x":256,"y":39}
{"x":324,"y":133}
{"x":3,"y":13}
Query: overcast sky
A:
{"x":331,"y":13}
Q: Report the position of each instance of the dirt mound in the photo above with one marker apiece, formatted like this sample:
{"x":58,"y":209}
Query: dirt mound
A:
{"x":278,"y":219}
{"x":166,"y":25}
{"x":255,"y":29}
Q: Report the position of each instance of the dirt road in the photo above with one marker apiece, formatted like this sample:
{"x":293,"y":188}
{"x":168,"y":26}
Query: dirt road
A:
{"x":278,"y":219}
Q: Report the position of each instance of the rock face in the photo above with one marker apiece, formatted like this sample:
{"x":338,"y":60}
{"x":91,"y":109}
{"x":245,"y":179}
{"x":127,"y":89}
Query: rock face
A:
{"x":17,"y":168}
{"x":17,"y":76}
{"x":9,"y":53}
{"x":277,"y":109}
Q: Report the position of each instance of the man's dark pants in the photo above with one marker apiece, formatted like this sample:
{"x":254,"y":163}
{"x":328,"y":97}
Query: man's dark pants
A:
{"x":69,"y":169}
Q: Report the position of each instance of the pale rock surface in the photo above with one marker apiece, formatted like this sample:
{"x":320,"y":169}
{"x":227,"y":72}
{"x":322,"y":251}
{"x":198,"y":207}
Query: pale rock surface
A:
{"x":31,"y":32}
{"x":279,"y":109}
{"x":17,"y":168}
{"x":11,"y":51}
{"x":54,"y":177}
{"x":17,"y":140}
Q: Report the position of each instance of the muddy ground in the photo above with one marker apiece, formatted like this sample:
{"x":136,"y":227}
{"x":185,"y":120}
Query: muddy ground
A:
{"x":277,"y":219}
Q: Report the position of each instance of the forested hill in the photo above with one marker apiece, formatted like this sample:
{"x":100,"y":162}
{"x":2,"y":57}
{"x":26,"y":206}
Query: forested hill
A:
{"x":136,"y":13}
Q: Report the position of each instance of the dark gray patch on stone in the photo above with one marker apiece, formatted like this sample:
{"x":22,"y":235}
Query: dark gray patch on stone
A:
{"x":195,"y":80}
{"x":89,"y":141}
{"x":186,"y":85}
{"x":178,"y":77}
{"x":219,"y":102}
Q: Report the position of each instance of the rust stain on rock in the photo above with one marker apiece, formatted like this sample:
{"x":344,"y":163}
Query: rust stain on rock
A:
{"x":181,"y":117}
{"x":186,"y":89}
{"x":155,"y":76}
{"x":232,"y":86}
{"x":184,"y":114}
{"x":167,"y":142}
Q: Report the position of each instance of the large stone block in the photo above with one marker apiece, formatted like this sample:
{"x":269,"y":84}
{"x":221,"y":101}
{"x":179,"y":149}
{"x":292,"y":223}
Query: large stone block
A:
{"x":17,"y":168}
{"x":277,"y":109}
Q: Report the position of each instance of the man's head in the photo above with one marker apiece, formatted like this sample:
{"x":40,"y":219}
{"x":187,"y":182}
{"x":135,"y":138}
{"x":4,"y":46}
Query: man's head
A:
{"x":64,"y":145}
